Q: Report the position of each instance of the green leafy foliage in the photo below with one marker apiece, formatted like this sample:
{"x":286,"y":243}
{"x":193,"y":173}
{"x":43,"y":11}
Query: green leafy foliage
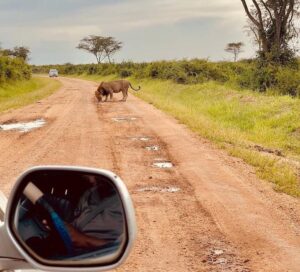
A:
{"x":246,"y":74}
{"x":288,"y":81}
{"x":13,"y":69}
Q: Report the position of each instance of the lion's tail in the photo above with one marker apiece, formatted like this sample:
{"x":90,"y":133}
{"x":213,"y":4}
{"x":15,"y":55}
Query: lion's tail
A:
{"x":134,"y":88}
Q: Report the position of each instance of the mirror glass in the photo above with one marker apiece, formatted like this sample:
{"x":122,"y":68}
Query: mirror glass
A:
{"x":70,"y":216}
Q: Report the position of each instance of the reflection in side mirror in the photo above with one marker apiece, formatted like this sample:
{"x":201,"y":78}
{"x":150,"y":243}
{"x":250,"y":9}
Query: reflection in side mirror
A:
{"x":69,"y":218}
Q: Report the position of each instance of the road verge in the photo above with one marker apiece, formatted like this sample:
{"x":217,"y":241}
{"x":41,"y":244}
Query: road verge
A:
{"x":21,"y":93}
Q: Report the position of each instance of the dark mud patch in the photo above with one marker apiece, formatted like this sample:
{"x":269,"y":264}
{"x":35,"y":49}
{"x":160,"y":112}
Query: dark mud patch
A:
{"x":268,"y":150}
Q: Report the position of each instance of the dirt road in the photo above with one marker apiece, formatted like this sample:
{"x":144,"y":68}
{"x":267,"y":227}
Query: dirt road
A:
{"x":207,"y":213}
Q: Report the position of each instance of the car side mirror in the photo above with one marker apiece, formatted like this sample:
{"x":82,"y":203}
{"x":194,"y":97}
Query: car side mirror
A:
{"x":71,"y":218}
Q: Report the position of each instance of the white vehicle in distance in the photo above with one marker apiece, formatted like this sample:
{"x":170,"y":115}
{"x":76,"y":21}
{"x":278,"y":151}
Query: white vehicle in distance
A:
{"x":53,"y":73}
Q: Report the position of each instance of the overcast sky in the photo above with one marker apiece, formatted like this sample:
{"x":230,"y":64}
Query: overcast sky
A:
{"x":149,"y":29}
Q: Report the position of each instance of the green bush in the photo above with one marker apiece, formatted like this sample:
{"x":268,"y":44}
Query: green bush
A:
{"x":264,"y":78}
{"x":246,"y":79}
{"x":12,"y":69}
{"x":288,"y":81}
{"x":125,"y":73}
{"x":247,"y":74}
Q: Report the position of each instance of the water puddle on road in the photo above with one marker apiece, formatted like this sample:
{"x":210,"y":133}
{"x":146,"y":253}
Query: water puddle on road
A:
{"x":152,"y":148}
{"x":143,"y":139}
{"x":218,"y":252}
{"x":218,"y":257}
{"x":123,"y":119}
{"x":225,"y":260}
{"x":168,"y":189}
{"x":163,"y":164}
{"x":24,"y":126}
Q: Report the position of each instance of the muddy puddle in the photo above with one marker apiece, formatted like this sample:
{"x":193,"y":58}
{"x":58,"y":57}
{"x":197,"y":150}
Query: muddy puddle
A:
{"x":23,"y":126}
{"x":123,"y":119}
{"x":152,"y":148}
{"x":163,"y":164}
{"x":168,"y":189}
{"x":143,"y":139}
{"x":217,"y":257}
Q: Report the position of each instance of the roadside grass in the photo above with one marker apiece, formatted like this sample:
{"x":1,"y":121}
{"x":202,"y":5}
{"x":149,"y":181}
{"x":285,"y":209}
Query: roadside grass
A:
{"x":95,"y":78}
{"x":262,"y":129}
{"x":22,"y":93}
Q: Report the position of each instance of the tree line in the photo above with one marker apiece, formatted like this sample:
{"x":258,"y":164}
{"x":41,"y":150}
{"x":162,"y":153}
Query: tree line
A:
{"x":271,"y":25}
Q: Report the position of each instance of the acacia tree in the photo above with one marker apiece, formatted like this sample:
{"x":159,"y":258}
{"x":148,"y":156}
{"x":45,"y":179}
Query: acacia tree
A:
{"x":251,"y":32}
{"x":22,"y":52}
{"x":273,"y":24}
{"x":235,"y":49}
{"x":111,"y":46}
{"x":100,"y":47}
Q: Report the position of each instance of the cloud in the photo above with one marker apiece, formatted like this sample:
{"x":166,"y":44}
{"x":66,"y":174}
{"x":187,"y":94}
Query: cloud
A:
{"x":59,"y":24}
{"x":115,"y":15}
{"x":135,"y":14}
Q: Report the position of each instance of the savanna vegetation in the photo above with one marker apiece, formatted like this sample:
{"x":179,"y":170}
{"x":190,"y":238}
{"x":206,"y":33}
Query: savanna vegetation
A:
{"x":13,"y":69}
{"x":23,"y":92}
{"x":262,"y":129}
{"x":17,"y":86}
{"x":224,"y":102}
{"x":242,"y":75}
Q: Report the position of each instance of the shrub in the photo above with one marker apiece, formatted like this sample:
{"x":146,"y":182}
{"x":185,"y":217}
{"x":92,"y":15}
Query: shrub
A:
{"x":12,"y":69}
{"x":288,"y":81}
{"x":92,"y":69}
{"x":125,"y":73}
{"x":250,"y":74}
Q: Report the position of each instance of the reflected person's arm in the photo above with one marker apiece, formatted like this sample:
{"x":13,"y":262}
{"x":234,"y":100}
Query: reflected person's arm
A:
{"x":82,"y":240}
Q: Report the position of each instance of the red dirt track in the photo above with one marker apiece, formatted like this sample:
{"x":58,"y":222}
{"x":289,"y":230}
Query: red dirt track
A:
{"x":222,"y":219}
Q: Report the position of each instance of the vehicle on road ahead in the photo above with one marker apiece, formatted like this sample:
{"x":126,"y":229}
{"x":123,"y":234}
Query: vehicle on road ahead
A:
{"x":53,"y":73}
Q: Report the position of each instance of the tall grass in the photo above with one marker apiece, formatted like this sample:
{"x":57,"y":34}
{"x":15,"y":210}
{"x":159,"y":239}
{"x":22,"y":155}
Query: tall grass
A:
{"x":238,"y":121}
{"x":21,"y":93}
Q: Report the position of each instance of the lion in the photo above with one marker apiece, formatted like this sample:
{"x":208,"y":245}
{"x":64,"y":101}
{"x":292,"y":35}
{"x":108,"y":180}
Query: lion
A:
{"x":111,"y":87}
{"x":100,"y":93}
